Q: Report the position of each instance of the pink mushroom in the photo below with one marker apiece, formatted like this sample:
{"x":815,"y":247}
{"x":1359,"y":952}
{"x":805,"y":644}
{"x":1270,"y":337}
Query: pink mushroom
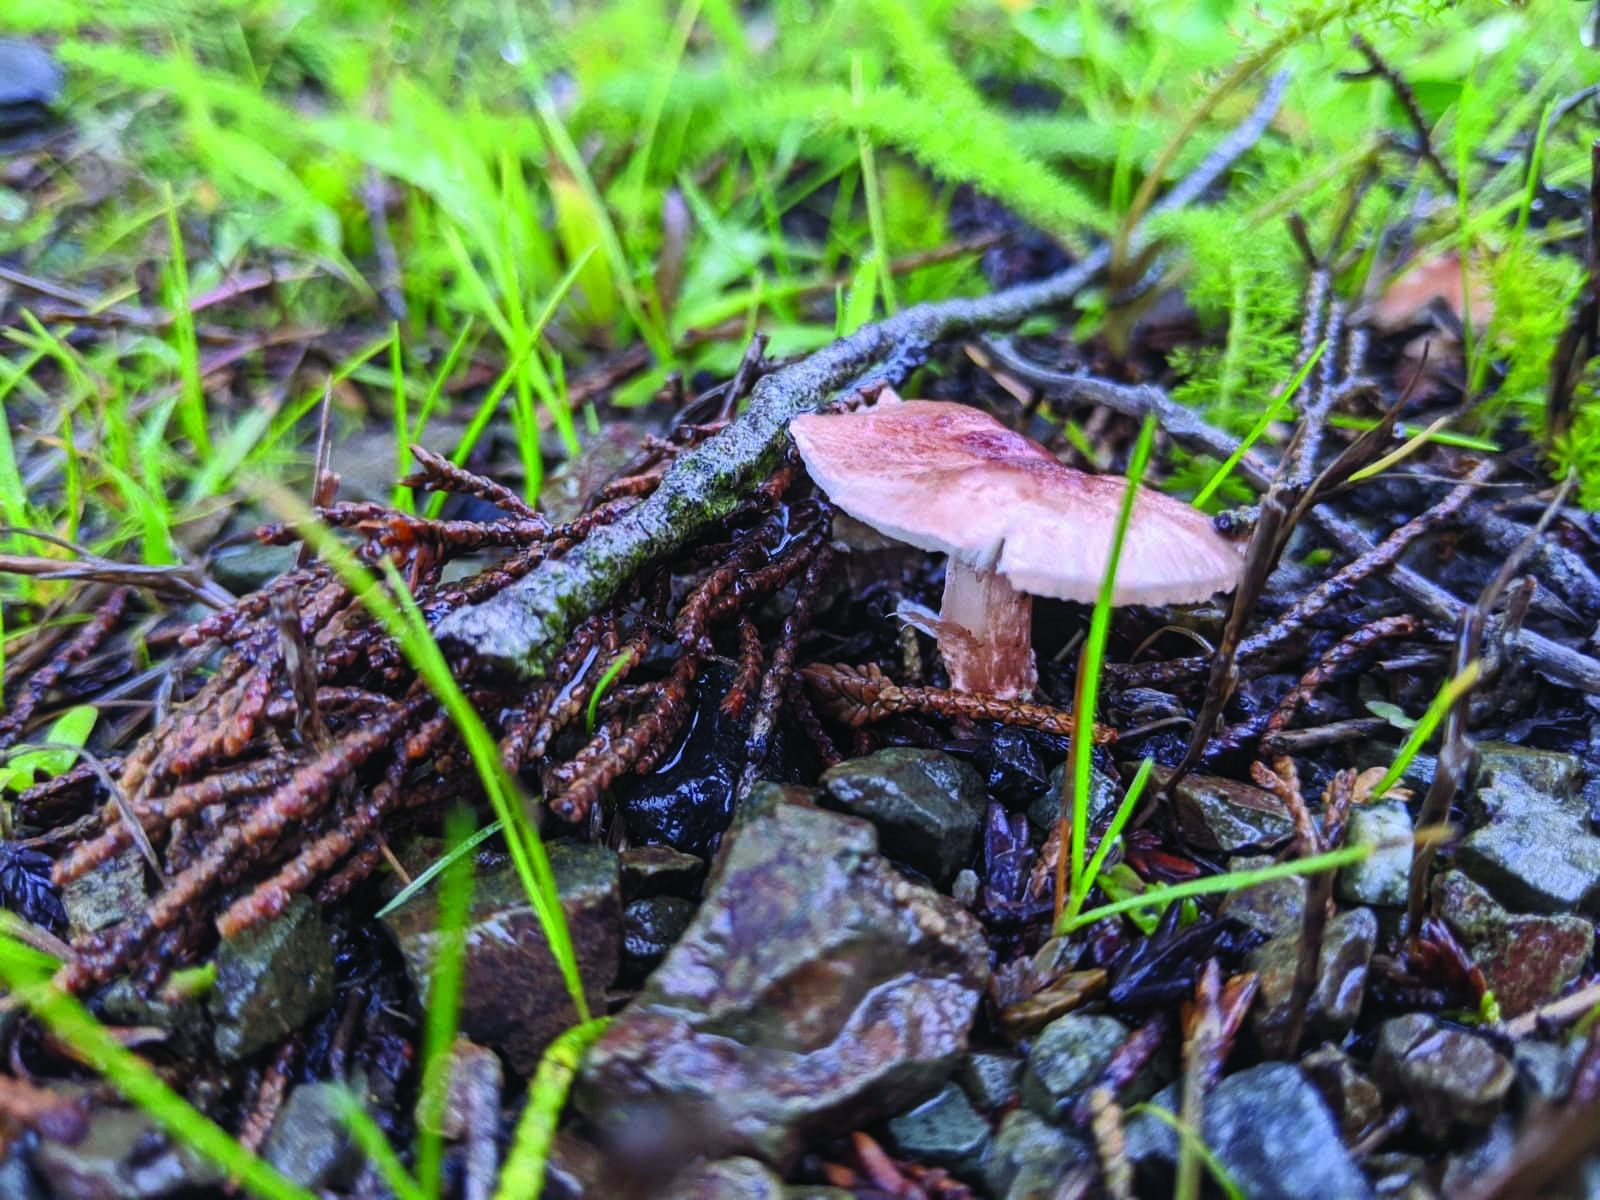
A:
{"x":1015,"y":522}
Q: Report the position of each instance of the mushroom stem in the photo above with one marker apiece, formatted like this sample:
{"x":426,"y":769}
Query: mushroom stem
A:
{"x":985,"y":630}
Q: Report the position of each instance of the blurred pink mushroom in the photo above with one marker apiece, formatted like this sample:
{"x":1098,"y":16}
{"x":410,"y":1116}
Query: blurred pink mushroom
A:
{"x":1015,"y":522}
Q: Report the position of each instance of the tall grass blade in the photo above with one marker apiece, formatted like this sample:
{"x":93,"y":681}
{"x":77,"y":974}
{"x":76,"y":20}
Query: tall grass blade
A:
{"x":1088,"y":691}
{"x":522,"y":1176}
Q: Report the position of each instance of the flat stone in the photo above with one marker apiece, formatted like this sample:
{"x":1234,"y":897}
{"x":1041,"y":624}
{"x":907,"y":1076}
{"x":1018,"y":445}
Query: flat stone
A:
{"x":513,"y":996}
{"x":945,"y":1132}
{"x":1029,"y":1157}
{"x":815,"y":991}
{"x":1383,"y":878}
{"x":1224,"y":816}
{"x":1335,"y":1002}
{"x":1526,"y":960}
{"x":1547,"y":772}
{"x":1450,"y":1079}
{"x":1068,"y":1056}
{"x":270,"y":981}
{"x":927,"y":806}
{"x":1268,"y":1127}
{"x":1534,"y":849}
{"x":309,"y":1141}
{"x":991,"y":1080}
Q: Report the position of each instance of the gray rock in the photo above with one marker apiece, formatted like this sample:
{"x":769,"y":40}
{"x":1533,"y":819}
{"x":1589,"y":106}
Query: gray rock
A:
{"x":309,"y":1142}
{"x":1268,"y":1127}
{"x":1045,"y":811}
{"x":1382,"y":878}
{"x":1067,"y":1057}
{"x":513,"y":997}
{"x":1525,"y":960}
{"x":726,"y":1179}
{"x":944,"y":1131}
{"x":816,"y":990}
{"x":1347,"y":946}
{"x":1353,"y":1098}
{"x":108,"y":894}
{"x":991,"y":1080}
{"x":1545,"y":772}
{"x":649,"y":928}
{"x":270,"y":981}
{"x":1030,"y":1157}
{"x":122,"y":1157}
{"x":928,"y":807}
{"x":1275,"y":908}
{"x":1450,"y":1079}
{"x":1534,"y":848}
{"x":1223,"y":816}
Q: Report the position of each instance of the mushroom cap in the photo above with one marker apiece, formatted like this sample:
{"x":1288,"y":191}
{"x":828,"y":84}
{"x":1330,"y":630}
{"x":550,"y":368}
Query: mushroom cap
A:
{"x":952,"y":479}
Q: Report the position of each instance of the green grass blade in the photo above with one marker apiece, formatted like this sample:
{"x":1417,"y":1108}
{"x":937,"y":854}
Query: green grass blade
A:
{"x":1424,"y":728}
{"x":1125,"y":810}
{"x":443,"y":1006}
{"x":613,"y":672}
{"x":522,"y":1176}
{"x":1333,"y":860}
{"x":401,"y":496}
{"x":192,"y":410}
{"x":869,"y":188}
{"x":1268,"y":415}
{"x":1070,"y":898}
{"x":442,"y":863}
